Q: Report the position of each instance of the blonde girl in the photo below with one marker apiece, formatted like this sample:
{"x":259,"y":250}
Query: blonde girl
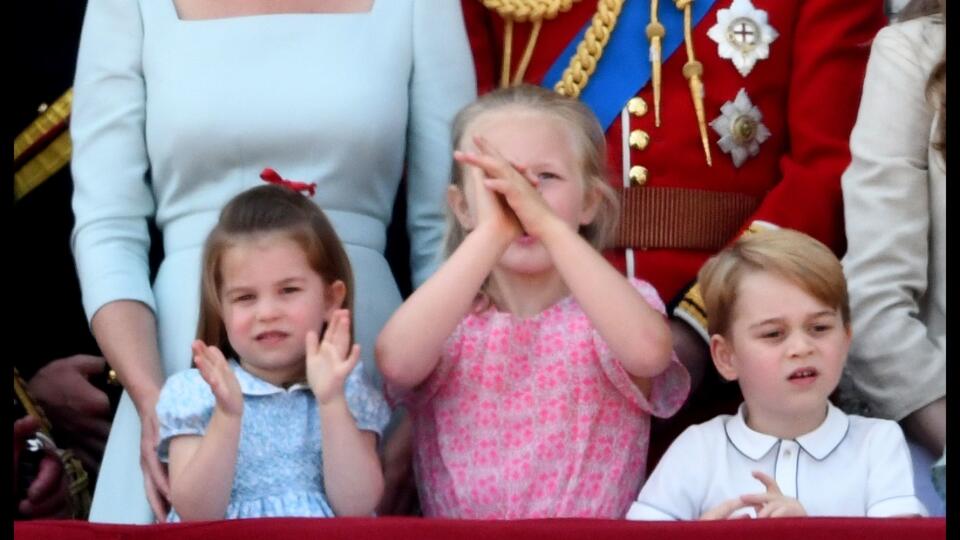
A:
{"x":530,"y":365}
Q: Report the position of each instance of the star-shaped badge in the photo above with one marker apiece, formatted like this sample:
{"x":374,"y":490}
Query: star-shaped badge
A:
{"x":740,"y":129}
{"x":743,"y":35}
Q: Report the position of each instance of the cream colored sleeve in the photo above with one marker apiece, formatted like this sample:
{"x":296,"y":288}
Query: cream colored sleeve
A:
{"x":895,"y":360}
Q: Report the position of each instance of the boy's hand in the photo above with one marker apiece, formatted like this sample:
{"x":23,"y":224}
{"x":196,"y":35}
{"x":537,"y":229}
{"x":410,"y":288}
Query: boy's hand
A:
{"x":773,"y":503}
{"x":331,"y":361}
{"x":725,"y":509}
{"x":223,"y":382}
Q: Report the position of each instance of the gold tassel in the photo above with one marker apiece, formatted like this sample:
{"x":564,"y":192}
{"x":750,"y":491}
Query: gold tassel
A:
{"x":693,"y":71}
{"x":655,"y":33}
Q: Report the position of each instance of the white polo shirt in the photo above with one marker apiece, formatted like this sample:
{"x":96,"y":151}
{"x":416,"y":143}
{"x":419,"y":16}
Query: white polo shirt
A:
{"x":849,"y":466}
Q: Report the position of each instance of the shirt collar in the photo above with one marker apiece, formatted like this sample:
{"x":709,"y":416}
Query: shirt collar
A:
{"x":821,"y":441}
{"x":251,"y":385}
{"x":818,"y":443}
{"x":750,"y":443}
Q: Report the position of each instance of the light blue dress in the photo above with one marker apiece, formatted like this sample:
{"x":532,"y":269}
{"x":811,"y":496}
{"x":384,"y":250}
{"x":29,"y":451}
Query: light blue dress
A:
{"x":172,"y":118}
{"x":279,"y":471}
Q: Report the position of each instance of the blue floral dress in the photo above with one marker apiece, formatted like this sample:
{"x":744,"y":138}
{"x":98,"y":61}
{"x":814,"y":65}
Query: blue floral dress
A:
{"x":279,"y":469}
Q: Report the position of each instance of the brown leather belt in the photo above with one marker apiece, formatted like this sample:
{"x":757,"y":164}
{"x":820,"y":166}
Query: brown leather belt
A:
{"x":680,"y":218}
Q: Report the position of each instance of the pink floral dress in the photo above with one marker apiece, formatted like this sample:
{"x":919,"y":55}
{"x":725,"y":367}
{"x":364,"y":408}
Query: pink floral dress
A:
{"x":528,"y":418}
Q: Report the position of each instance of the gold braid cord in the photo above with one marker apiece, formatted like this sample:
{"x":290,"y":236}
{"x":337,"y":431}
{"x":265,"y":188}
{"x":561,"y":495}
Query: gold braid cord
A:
{"x":534,"y":11}
{"x":528,"y":10}
{"x":584,"y":62}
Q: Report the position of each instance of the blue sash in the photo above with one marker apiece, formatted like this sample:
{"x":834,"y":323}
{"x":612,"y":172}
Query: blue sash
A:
{"x":625,"y":66}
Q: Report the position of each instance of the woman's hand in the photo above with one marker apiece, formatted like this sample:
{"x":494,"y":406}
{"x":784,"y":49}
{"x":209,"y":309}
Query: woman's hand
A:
{"x":331,"y":361}
{"x":155,"y":482}
{"x":216,"y":371}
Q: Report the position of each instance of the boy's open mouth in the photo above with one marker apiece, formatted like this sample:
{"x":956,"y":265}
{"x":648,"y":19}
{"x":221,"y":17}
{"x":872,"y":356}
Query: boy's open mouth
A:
{"x":805,"y":373}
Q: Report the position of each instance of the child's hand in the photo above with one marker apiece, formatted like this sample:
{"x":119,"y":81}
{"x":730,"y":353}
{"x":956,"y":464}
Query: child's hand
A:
{"x":725,"y":509}
{"x":511,"y":185}
{"x":328,"y":362}
{"x":217,"y":373}
{"x":773,"y":503}
{"x":491,"y":208}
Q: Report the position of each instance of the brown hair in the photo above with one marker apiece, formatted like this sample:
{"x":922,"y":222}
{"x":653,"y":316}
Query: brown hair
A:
{"x":591,"y":145}
{"x":260,"y":211}
{"x":786,"y":253}
{"x":936,"y":88}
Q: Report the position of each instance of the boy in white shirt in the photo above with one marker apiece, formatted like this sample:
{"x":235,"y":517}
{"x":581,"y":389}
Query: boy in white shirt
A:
{"x":780,"y":325}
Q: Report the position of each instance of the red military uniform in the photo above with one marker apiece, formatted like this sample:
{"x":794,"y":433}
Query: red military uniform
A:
{"x":807,"y":91}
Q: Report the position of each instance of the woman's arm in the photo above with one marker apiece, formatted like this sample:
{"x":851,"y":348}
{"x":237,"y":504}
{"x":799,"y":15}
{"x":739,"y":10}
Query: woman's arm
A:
{"x":112,"y":201}
{"x":127,"y":335}
{"x":442,"y":82}
{"x":895,"y":360}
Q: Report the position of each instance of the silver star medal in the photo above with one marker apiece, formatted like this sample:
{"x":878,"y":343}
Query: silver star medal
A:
{"x":740,"y":129}
{"x":743,"y":35}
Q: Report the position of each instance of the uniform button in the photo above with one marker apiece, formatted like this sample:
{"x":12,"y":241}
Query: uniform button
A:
{"x":638,"y":173}
{"x":42,"y":108}
{"x":639,"y":139}
{"x":786,"y":453}
{"x":637,"y":106}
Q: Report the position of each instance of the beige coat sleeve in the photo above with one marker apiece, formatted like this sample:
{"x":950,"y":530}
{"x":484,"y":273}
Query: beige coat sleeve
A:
{"x":894,"y":200}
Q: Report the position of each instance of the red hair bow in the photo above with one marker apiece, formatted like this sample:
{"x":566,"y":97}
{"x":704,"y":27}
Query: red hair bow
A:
{"x":269,"y":175}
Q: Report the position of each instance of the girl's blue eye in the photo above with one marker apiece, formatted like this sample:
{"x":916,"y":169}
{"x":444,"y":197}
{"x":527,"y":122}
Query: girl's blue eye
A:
{"x":243,"y":298}
{"x":547,"y":176}
{"x":289,"y":290}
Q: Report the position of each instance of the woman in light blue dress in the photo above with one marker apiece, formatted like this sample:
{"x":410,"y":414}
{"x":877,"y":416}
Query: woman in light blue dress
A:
{"x":172,"y":117}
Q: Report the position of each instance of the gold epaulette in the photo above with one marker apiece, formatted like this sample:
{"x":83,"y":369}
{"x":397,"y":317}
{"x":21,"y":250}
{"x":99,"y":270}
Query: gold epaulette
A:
{"x":43,"y":148}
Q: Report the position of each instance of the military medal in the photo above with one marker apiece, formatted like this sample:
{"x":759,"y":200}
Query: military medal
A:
{"x":740,"y":128}
{"x":743,"y":35}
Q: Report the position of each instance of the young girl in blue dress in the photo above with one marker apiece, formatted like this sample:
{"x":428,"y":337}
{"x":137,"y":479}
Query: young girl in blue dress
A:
{"x":274,"y":420}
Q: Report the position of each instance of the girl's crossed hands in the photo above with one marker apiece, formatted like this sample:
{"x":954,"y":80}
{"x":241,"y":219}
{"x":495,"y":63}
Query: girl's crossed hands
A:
{"x":223,"y":382}
{"x":330,"y":361}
